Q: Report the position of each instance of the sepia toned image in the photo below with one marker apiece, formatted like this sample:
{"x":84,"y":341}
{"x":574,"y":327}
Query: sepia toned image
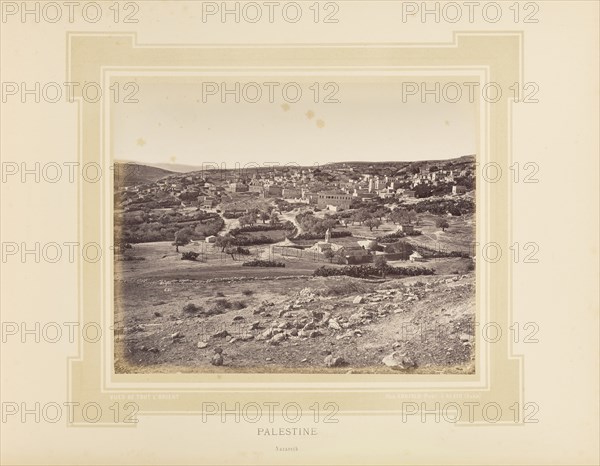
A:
{"x":257,"y":234}
{"x":322,"y":232}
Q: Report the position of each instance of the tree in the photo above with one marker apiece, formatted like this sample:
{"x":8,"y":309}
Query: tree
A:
{"x":252,"y":217}
{"x":231,"y":251}
{"x":372,"y":223}
{"x":329,"y":254}
{"x":361,"y":216}
{"x":224,"y":242}
{"x":399,"y":215}
{"x":329,"y":223}
{"x":380,"y":212}
{"x":264,"y":216}
{"x":441,"y":223}
{"x":182,"y":237}
{"x":244,"y":220}
{"x":380,"y":263}
{"x":274,"y":218}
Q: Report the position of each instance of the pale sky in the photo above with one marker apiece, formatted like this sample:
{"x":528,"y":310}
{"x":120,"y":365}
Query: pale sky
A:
{"x":172,"y":124}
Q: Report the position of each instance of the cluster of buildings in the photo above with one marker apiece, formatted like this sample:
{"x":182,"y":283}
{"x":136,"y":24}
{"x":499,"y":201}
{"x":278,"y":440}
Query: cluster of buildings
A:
{"x":359,"y":252}
{"x":332,"y":188}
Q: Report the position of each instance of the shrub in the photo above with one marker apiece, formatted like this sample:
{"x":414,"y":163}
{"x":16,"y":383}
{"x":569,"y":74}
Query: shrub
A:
{"x":191,"y":308}
{"x":249,"y":241}
{"x":263,"y":263}
{"x":367,"y":271}
{"x":334,"y":234}
{"x":223,"y":303}
{"x":456,"y":207}
{"x":213,"y":311}
{"x":247,"y":292}
{"x":428,"y":252}
{"x":390,"y":238}
{"x":263,"y":227}
{"x":219,"y":294}
{"x":238,"y":305}
{"x":189,"y":256}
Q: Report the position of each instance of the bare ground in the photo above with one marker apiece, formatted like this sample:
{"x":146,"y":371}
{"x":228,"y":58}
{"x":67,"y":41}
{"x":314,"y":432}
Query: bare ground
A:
{"x":291,"y":324}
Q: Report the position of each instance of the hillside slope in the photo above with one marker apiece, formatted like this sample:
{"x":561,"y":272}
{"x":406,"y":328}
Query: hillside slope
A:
{"x":129,"y":174}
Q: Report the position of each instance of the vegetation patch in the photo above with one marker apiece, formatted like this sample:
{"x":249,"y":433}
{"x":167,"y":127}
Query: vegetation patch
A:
{"x":367,"y":271}
{"x":263,"y":263}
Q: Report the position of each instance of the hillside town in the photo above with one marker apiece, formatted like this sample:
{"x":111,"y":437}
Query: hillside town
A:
{"x":334,"y":188}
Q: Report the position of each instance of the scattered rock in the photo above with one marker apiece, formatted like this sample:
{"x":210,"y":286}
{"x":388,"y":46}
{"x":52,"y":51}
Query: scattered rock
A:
{"x":154,"y":350}
{"x":398,"y":361}
{"x":277,"y":339}
{"x":355,"y":318}
{"x":344,"y":335}
{"x":202,"y":344}
{"x":238,"y":318}
{"x":221,"y":334}
{"x":358,"y":300}
{"x":309,"y":326}
{"x":255,"y":325}
{"x":176,"y":335}
{"x":157,"y":314}
{"x":315,"y":333}
{"x":217,"y":359}
{"x":331,"y":361}
{"x":334,"y":324}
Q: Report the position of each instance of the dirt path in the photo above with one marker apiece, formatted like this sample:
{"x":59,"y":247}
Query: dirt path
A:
{"x":291,"y":216}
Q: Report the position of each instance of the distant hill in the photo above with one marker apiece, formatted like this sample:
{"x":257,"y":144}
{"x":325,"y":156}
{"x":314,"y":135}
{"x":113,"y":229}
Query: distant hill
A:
{"x":132,"y":173}
{"x":177,"y":167}
{"x":129,"y":174}
{"x":401,"y":167}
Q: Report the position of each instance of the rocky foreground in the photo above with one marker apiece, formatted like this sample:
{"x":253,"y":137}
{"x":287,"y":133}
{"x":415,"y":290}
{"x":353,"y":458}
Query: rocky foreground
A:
{"x":334,"y":324}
